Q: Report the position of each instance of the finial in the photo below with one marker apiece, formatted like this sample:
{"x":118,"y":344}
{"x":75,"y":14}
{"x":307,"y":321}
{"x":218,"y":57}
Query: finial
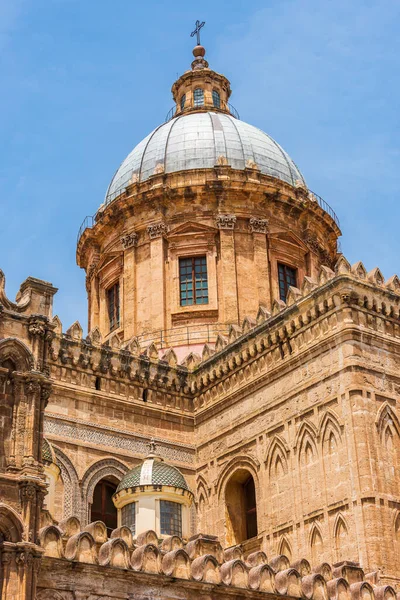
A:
{"x":199,"y":50}
{"x":153,"y":451}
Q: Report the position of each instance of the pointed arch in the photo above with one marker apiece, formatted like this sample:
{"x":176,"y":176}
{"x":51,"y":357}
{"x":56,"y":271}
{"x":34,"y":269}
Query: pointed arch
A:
{"x":106,"y":468}
{"x":202,"y":487}
{"x":387,"y":416}
{"x":284,"y":547}
{"x":330,"y":424}
{"x":238,"y":462}
{"x":11,"y":527}
{"x":72,"y":504}
{"x":16,"y":351}
{"x":277,"y":448}
{"x":307,"y":431}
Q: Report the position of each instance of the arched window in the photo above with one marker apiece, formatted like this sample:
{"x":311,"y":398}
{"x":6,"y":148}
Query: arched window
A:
{"x":216,"y":99}
{"x":183,"y":100}
{"x":103,"y":508}
{"x":198,"y":97}
{"x":241,"y":508}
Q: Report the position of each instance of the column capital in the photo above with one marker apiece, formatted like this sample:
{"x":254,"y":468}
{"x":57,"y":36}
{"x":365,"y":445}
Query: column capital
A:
{"x":129,"y":240}
{"x":257,"y":225}
{"x":157,"y":230}
{"x":226,"y":221}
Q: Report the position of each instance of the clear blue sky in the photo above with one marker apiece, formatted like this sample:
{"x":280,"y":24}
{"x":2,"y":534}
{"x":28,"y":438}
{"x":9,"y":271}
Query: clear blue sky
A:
{"x":83,"y":81}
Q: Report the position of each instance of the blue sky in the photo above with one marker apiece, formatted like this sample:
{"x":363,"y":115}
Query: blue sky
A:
{"x":83,"y":82}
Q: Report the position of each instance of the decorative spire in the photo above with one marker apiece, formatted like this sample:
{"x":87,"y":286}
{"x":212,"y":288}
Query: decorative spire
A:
{"x":199,"y":50}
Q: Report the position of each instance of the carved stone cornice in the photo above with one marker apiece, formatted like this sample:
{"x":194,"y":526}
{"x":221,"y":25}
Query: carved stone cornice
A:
{"x":257,"y":225}
{"x":226,"y":221}
{"x":157,"y":230}
{"x":129,"y":240}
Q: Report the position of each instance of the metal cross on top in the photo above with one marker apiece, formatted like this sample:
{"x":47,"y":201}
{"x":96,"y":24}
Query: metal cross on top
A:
{"x":197,"y":31}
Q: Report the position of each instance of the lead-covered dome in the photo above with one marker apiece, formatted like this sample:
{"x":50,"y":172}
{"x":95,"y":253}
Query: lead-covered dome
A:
{"x":201,"y":140}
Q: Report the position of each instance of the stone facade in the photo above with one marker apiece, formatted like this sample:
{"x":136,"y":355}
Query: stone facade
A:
{"x":299,"y":396}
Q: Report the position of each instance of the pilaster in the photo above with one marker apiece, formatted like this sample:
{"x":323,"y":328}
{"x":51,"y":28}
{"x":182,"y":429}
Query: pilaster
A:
{"x":230,"y":309}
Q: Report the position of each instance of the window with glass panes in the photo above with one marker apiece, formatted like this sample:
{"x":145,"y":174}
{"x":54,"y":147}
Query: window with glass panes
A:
{"x":193,"y":281}
{"x":216,"y":99}
{"x":128,"y":516}
{"x":287,"y":276}
{"x":183,"y":100}
{"x":113,"y":305}
{"x":170,"y":518}
{"x":198,"y":97}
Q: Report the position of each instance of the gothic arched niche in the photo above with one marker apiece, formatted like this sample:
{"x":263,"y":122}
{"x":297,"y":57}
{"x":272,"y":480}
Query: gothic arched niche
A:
{"x":342,"y":539}
{"x":285,"y":549}
{"x":279,"y":483}
{"x":240,"y":507}
{"x":389,"y":434}
{"x":317,"y":546}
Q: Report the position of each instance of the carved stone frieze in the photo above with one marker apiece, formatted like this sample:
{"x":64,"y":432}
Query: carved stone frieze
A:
{"x":157,"y":230}
{"x":226,"y":221}
{"x":114,"y":438}
{"x":257,"y":225}
{"x":129,"y":240}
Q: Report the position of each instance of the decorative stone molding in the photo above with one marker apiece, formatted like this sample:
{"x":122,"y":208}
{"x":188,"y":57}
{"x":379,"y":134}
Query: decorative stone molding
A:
{"x":129,"y":240}
{"x":257,"y":225}
{"x":157,"y":230}
{"x":226,"y":221}
{"x":114,"y":438}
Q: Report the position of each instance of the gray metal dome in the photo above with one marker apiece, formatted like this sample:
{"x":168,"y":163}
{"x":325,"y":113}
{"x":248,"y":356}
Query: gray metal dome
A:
{"x":198,"y":141}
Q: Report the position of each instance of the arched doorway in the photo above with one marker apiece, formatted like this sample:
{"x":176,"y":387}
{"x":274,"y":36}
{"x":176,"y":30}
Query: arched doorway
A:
{"x":241,"y":508}
{"x":103,"y":508}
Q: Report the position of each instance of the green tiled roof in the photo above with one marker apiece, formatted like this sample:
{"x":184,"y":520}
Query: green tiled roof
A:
{"x":161,"y":474}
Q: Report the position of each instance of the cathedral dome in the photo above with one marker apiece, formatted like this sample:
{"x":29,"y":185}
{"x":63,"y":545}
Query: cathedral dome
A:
{"x":201,"y":140}
{"x":154,"y":472}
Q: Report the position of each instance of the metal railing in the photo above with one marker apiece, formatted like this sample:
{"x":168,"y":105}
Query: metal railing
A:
{"x":325,"y":206}
{"x":87,"y":223}
{"x":170,"y":114}
{"x":226,"y":105}
{"x":183,"y":335}
{"x":233,"y":111}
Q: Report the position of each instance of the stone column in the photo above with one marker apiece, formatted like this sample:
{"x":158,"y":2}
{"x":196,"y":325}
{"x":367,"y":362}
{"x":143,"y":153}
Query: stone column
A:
{"x":259,"y":229}
{"x":229,"y":300}
{"x":128,"y":302}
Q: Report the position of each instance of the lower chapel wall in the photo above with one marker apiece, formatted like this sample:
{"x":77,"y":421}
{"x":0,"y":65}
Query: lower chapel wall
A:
{"x":86,"y":565}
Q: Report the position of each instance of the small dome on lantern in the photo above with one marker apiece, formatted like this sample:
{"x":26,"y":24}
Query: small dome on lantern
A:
{"x":154,"y":495}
